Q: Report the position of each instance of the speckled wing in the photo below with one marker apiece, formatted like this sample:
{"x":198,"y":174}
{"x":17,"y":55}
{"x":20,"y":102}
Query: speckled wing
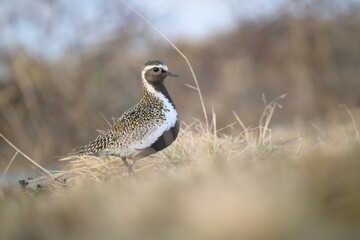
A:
{"x":128,"y":135}
{"x":149,"y":126}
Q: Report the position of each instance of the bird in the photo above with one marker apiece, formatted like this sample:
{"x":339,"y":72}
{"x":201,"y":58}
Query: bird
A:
{"x":144,"y":129}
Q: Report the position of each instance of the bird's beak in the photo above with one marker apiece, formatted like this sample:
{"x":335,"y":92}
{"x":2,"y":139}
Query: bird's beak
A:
{"x":171,"y":74}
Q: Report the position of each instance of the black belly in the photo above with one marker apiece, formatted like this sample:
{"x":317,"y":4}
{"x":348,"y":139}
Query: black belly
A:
{"x":167,"y":138}
{"x":163,"y":141}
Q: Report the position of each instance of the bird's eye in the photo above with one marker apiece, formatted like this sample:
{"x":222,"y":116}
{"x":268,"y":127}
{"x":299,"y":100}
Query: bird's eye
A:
{"x":155,"y":69}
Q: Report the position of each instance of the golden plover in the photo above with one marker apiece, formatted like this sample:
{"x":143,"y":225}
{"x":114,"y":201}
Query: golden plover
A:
{"x":146,"y":128}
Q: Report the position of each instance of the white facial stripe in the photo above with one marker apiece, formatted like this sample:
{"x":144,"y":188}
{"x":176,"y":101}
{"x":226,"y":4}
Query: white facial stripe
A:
{"x":157,"y":65}
{"x":150,"y":67}
{"x":149,"y":87}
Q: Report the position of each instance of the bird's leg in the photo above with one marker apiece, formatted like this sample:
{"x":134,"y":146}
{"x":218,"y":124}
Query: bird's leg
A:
{"x":132,"y":165}
{"x":129,"y":166}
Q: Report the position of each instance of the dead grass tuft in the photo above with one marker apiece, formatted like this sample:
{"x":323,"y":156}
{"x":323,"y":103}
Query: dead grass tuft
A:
{"x":207,"y":185}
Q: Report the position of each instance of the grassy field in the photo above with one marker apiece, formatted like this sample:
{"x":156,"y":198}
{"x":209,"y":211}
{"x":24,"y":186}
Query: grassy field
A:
{"x":255,"y":183}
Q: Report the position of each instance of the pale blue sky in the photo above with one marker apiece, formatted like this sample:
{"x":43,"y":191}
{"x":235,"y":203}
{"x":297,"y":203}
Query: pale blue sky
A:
{"x":198,"y":18}
{"x":186,"y":19}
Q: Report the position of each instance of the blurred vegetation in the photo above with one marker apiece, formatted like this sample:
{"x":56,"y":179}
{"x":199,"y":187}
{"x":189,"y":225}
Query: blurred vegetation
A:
{"x":50,"y":105}
{"x":249,"y":175}
{"x":202,"y":187}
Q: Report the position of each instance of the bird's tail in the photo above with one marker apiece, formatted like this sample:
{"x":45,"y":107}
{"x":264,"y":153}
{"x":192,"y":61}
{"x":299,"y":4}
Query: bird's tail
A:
{"x":80,"y":151}
{"x":91,"y":148}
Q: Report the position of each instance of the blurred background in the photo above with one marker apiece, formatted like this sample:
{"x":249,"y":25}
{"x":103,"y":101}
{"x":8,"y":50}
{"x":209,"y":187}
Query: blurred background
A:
{"x":64,"y":64}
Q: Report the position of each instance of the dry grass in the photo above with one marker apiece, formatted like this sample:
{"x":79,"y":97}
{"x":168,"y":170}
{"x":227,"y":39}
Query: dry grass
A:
{"x":207,"y":185}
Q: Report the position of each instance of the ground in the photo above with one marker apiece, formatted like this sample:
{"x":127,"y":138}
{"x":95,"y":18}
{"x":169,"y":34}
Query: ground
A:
{"x":252,"y":183}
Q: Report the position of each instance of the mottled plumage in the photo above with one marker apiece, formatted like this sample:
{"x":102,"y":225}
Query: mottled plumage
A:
{"x":149,"y":126}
